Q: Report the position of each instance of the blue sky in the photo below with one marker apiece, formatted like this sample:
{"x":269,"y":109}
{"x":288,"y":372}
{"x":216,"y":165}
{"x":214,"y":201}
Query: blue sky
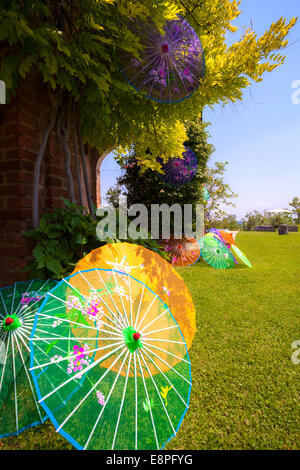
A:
{"x":260,"y":136}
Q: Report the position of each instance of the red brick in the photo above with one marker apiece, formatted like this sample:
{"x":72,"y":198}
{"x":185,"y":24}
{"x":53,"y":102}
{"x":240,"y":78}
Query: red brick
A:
{"x":18,"y":153}
{"x":13,"y":273}
{"x":3,"y":224}
{"x":11,"y":113}
{"x":22,"y":176}
{"x":11,"y":165}
{"x":19,"y":201}
{"x":53,"y":181}
{"x":6,"y":190}
{"x":12,"y":128}
{"x":25,"y":190}
{"x":8,"y":143}
{"x":14,"y":252}
{"x":19,"y":128}
{"x":53,"y":171}
{"x":26,"y":107}
{"x":12,"y":264}
{"x":16,"y":225}
{"x":11,"y":239}
{"x":14,"y":214}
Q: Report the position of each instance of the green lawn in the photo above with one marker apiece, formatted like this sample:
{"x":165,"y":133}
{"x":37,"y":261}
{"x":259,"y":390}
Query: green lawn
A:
{"x":246,"y":389}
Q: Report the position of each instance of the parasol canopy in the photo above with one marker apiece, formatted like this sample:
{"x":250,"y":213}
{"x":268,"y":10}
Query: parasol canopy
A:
{"x":109,"y":363}
{"x":205,"y":194}
{"x":151,"y":269}
{"x":170,"y":66}
{"x":184,"y":252}
{"x":227,"y":238}
{"x":19,"y":408}
{"x":241,"y":256}
{"x":179,"y":171}
{"x":215,"y":253}
{"x":280,"y":211}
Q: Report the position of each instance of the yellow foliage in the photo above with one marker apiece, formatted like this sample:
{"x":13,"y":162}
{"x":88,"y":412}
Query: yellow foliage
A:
{"x":229,"y":71}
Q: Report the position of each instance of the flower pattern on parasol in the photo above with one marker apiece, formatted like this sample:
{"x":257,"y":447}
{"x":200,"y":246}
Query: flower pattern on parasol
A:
{"x":170,"y":66}
{"x":178,"y":171}
{"x":184,"y":252}
{"x":19,"y":408}
{"x":122,"y":384}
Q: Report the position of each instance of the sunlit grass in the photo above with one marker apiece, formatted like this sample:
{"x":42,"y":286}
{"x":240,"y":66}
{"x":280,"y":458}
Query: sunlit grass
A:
{"x":246,"y":389}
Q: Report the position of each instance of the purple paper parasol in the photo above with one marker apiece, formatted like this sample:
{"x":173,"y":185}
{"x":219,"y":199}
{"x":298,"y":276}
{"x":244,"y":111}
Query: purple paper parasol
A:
{"x":170,"y":66}
{"x":178,"y":171}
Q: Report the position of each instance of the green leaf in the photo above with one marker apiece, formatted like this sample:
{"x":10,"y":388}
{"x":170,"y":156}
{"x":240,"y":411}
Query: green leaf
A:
{"x":54,"y":266}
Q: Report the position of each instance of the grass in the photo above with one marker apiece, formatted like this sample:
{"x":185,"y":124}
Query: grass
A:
{"x":246,"y":389}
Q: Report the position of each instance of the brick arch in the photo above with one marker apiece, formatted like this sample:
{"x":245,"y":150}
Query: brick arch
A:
{"x":98,"y":176}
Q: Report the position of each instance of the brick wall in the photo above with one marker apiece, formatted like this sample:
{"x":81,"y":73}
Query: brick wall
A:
{"x":22,"y":122}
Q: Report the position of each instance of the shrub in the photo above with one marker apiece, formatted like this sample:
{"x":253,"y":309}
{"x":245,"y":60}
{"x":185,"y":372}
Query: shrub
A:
{"x":66,"y":235}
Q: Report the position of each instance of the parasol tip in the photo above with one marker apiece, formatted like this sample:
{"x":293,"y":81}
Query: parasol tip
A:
{"x":165,"y":48}
{"x":136,"y":336}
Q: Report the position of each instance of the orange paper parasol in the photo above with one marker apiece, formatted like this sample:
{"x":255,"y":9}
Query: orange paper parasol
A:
{"x":151,"y":269}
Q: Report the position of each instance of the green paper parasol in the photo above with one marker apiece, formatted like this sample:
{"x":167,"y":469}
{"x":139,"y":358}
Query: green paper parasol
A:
{"x":109,"y":363}
{"x":215,"y":253}
{"x":241,"y":255}
{"x":19,"y":303}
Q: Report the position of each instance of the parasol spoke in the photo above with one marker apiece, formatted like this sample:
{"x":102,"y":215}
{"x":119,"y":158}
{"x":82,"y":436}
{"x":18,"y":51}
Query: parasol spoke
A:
{"x":119,"y":313}
{"x":140,"y":304}
{"x":167,"y":379}
{"x":94,"y":364}
{"x":15,"y":382}
{"x":122,"y":403}
{"x":28,"y":377}
{"x":154,"y":320}
{"x":148,"y":400}
{"x":109,"y":395}
{"x":162,"y":402}
{"x":169,"y":366}
{"x":90,"y":391}
{"x":147,"y":311}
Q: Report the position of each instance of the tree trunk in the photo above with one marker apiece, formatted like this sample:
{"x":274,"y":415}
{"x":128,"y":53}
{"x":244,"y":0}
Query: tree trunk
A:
{"x":37,"y":168}
{"x":63,"y":133}
{"x":85,"y":173}
{"x":78,"y":169}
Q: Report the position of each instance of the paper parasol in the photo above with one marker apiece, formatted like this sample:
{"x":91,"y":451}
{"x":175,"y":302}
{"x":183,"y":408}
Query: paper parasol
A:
{"x":170,"y":66}
{"x":205,"y":194}
{"x":215,"y":253}
{"x":227,"y":238}
{"x":178,"y":171}
{"x":241,"y":255}
{"x":117,"y":378}
{"x":154,"y":271}
{"x":19,"y":409}
{"x":184,"y":251}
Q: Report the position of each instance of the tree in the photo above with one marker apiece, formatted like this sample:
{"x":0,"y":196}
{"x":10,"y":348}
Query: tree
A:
{"x":74,"y":45}
{"x":278,"y":219}
{"x":219,"y":191}
{"x":295,"y":204}
{"x":228,"y":221}
{"x":147,"y":187}
{"x":113,"y":195}
{"x":253,"y":219}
